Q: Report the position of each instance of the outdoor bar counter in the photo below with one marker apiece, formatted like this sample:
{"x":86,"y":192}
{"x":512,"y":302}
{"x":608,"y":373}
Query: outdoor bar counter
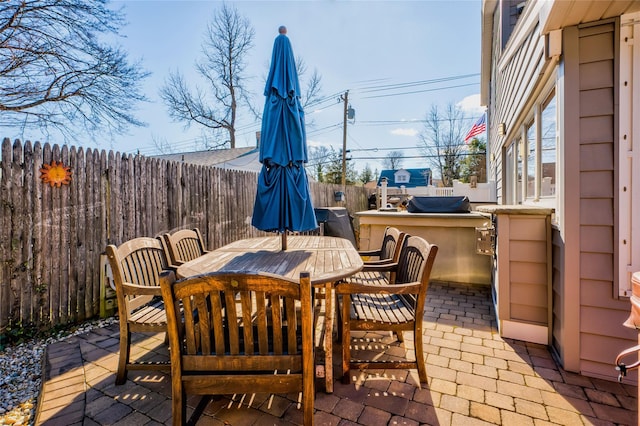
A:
{"x":454,"y":233}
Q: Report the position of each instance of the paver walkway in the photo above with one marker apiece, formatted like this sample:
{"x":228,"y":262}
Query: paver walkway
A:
{"x":475,"y":378}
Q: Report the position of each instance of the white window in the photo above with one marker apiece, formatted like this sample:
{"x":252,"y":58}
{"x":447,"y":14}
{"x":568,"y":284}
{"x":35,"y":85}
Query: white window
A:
{"x":509,"y":170}
{"x":519,"y":170}
{"x":531,"y":159}
{"x":402,"y":177}
{"x":548,"y":148}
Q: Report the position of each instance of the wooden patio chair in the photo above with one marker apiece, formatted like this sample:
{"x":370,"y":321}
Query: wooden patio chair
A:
{"x":236,"y":333}
{"x":183,"y":246}
{"x":396,"y":305}
{"x":389,"y":250}
{"x":381,"y":269}
{"x":136,"y":266}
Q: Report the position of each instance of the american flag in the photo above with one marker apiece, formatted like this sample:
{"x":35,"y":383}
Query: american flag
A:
{"x":479,"y":127}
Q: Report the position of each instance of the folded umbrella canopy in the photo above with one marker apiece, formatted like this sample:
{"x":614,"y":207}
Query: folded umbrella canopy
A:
{"x":282,"y":198}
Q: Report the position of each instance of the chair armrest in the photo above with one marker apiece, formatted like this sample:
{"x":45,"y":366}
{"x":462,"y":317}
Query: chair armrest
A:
{"x":369,"y":252}
{"x":174,"y":266}
{"x":378,"y":262}
{"x":351,"y":288}
{"x":141,"y":290}
{"x":381,"y":267}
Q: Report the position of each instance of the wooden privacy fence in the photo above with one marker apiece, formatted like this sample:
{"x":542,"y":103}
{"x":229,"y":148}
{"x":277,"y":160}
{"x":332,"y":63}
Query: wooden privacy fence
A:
{"x":51,"y":237}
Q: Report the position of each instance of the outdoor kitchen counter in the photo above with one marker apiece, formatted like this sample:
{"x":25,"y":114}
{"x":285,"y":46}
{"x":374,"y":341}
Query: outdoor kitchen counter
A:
{"x":454,"y":233}
{"x":522,"y":284}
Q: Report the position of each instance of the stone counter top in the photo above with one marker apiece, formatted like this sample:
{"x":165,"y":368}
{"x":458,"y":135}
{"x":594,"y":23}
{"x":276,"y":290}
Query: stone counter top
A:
{"x":406,"y":214}
{"x":518,"y":209}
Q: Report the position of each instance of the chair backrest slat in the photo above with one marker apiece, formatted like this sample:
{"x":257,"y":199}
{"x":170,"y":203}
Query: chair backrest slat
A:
{"x":276,"y":319}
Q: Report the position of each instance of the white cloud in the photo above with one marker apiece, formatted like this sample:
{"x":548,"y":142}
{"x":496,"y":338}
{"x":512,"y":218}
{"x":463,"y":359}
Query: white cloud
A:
{"x":404,"y":132}
{"x":314,"y":143}
{"x":471,"y":105}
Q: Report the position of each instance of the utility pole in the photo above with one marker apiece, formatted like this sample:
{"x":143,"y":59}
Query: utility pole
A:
{"x":345,"y":98}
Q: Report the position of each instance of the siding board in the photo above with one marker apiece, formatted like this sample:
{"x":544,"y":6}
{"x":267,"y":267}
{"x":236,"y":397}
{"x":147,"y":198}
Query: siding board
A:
{"x":596,"y":102}
{"x":597,"y":239}
{"x":596,"y":211}
{"x":596,"y":184}
{"x":531,"y":251}
{"x":599,"y":296}
{"x":534,"y":295}
{"x":528,"y":273}
{"x":592,"y":324}
{"x":596,"y":74}
{"x":596,"y":266}
{"x":596,"y":47}
{"x":527,"y":228}
{"x":528,"y":313}
{"x":596,"y":129}
{"x":596,"y":156}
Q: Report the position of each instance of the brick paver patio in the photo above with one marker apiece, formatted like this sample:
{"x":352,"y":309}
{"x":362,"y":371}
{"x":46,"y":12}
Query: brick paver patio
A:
{"x":475,"y":378}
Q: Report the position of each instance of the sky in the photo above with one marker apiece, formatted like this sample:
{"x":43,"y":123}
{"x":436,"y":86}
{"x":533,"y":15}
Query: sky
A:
{"x":395,"y":58}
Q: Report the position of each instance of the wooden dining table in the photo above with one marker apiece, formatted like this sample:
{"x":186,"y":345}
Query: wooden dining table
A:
{"x":327,"y":259}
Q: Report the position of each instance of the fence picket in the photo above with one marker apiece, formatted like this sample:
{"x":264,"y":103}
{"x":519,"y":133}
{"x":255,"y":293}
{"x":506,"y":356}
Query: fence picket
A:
{"x":67,"y":311}
{"x":5,"y":231}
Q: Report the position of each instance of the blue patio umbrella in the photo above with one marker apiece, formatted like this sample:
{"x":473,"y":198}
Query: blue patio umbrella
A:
{"x":282,"y":201}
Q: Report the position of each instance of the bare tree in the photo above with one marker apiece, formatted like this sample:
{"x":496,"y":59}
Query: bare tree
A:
{"x":442,"y":141}
{"x":56,"y":72}
{"x":394,"y":160}
{"x":228,"y":39}
{"x":161,"y":144}
{"x":311,"y":93}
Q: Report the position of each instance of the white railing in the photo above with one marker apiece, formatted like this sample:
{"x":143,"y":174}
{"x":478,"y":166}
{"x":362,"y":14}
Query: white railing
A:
{"x":440,"y":192}
{"x":480,"y":192}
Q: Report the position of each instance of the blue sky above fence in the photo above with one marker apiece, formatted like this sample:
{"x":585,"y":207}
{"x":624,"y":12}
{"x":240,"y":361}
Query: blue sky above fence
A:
{"x":395,"y":58}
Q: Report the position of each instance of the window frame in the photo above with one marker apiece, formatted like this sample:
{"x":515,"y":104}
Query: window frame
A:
{"x":528,"y":146}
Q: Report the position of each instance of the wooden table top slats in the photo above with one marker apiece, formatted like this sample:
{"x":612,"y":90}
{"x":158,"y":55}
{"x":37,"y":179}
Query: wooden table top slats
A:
{"x":327,"y":259}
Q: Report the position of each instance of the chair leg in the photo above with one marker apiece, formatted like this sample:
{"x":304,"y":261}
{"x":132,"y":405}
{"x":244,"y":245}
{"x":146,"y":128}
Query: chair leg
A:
{"x":307,"y":409}
{"x":178,"y":404}
{"x":419,"y":353}
{"x":123,"y":360}
{"x":346,"y":338}
{"x":339,"y":316}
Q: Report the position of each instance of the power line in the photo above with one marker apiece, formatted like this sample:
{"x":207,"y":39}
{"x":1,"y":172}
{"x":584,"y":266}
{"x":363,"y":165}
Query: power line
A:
{"x":413,"y":121}
{"x":385,"y":149}
{"x":420,"y":91}
{"x":416,"y":83}
{"x":461,"y":154}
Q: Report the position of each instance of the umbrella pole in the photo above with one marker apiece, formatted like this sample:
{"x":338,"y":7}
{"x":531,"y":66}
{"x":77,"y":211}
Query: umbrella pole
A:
{"x":284,"y":240}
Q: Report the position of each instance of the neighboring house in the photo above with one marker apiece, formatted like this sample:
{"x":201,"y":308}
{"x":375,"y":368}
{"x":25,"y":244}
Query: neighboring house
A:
{"x":245,"y":159}
{"x":409,"y":178}
{"x":559,"y":79}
